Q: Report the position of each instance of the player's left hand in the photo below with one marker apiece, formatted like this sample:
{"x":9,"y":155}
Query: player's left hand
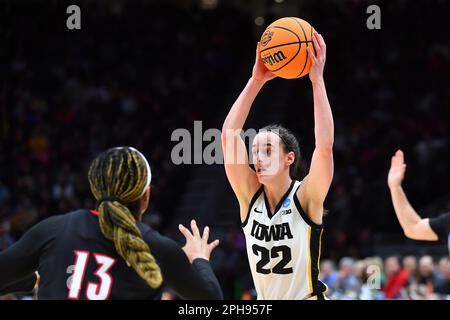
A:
{"x":318,"y":58}
{"x":197,"y":245}
{"x":397,"y":171}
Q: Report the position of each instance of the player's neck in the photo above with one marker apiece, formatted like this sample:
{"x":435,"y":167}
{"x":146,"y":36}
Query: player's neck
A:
{"x":276,"y":190}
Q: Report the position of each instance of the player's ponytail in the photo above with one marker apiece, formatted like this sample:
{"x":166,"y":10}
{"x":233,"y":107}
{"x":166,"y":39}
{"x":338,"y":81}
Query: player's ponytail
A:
{"x":118,"y":178}
{"x":290,"y":143}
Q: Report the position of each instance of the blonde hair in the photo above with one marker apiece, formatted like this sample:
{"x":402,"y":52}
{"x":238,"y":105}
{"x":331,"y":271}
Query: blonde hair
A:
{"x":118,"y":179}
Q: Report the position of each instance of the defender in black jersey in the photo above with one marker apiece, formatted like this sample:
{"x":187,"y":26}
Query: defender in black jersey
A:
{"x":413,"y":225}
{"x":76,"y":260}
{"x":441,"y":227}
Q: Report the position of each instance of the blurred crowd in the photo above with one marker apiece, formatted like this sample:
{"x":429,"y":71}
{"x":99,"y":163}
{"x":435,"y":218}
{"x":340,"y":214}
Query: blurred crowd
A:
{"x":132,"y":79}
{"x":136,"y":71}
{"x":372,"y":278}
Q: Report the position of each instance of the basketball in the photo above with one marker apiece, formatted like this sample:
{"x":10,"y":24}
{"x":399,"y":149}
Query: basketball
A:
{"x":283,"y":47}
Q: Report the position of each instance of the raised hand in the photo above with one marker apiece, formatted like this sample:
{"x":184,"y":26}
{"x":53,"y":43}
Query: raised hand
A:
{"x":260,"y":72}
{"x":318,"y":58}
{"x":397,"y":171}
{"x":197,"y":245}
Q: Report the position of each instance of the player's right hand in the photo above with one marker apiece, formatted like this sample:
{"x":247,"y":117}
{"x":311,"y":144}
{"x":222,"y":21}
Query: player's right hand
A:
{"x":197,"y":245}
{"x":397,"y":171}
{"x":318,"y":58}
{"x":260,"y":72}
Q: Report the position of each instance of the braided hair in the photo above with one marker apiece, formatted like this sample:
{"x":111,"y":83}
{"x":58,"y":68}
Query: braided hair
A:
{"x":118,"y":178}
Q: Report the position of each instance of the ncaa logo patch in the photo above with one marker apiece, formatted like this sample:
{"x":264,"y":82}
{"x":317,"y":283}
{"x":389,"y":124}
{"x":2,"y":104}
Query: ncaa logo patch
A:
{"x":266,"y":37}
{"x":286,"y":203}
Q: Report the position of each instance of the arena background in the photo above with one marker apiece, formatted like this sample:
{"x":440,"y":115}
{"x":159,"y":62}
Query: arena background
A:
{"x":137,"y":70}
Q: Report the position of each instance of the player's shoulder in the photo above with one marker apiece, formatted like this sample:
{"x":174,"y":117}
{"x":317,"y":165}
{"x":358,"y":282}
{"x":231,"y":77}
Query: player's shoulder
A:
{"x":53,"y":220}
{"x":60,"y":218}
{"x":158,"y":243}
{"x":441,"y":225}
{"x":441,"y":220}
{"x":80,"y":214}
{"x":78,"y":219}
{"x":297,"y":184}
{"x":48,"y":228}
{"x":258,"y":195}
{"x":445,"y":217}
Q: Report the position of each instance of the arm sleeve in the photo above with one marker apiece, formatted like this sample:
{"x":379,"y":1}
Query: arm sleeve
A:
{"x":24,"y":285}
{"x":189,"y":281}
{"x":22,"y":258}
{"x":441,"y":225}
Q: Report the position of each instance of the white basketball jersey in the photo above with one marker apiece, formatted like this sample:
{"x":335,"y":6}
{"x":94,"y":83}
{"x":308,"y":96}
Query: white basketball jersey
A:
{"x":283,"y":249}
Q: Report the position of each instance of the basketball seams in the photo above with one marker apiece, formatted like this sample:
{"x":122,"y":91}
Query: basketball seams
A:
{"x":296,"y":35}
{"x":284,"y":44}
{"x":298,"y":24}
{"x":307,"y":53}
{"x":295,"y":55}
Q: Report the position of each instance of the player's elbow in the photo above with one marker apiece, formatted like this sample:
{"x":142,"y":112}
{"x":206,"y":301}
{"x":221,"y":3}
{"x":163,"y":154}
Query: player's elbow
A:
{"x":325,"y":149}
{"x":227,"y":126}
{"x":228,"y":135}
{"x":225,"y":134}
{"x":407,"y":233}
{"x":411,"y":234}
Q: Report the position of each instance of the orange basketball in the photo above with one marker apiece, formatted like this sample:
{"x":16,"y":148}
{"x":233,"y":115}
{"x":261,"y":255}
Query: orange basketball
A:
{"x":283,"y":47}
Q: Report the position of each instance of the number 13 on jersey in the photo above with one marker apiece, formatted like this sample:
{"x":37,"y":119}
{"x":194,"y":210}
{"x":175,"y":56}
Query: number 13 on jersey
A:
{"x":94,"y":291}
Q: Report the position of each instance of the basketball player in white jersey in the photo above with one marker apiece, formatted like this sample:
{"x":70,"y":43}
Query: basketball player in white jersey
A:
{"x":282,"y":216}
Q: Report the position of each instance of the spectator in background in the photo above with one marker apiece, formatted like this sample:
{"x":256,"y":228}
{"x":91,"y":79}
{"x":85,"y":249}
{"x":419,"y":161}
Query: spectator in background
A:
{"x":371,"y":278}
{"x":410,"y":264}
{"x":328,"y":275}
{"x":442,"y":269}
{"x":396,"y":279}
{"x":4,"y":193}
{"x":444,"y":286}
{"x":347,"y":285}
{"x":427,"y":277}
{"x":5,"y":239}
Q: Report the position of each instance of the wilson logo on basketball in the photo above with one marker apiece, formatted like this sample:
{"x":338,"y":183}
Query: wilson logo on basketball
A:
{"x":274,"y":58}
{"x":266,"y":37}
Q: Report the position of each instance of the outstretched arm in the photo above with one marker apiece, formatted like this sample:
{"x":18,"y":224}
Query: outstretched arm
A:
{"x":241,"y":177}
{"x":412,"y":224}
{"x":187,"y":270}
{"x":19,"y":262}
{"x":25,"y":285}
{"x":316,"y":184}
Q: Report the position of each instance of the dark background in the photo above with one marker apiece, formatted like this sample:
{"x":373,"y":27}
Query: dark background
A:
{"x":137,"y":70}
